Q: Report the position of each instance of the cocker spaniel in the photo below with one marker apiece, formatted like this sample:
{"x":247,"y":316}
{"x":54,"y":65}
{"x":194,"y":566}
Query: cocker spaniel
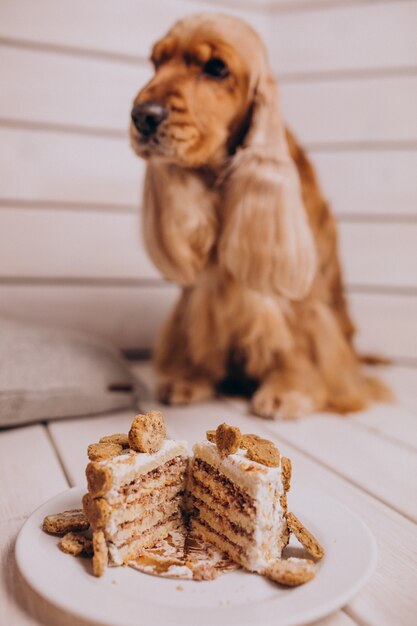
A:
{"x":232,"y":211}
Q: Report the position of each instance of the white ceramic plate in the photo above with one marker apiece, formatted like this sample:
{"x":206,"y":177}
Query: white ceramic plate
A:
{"x":125,"y":597}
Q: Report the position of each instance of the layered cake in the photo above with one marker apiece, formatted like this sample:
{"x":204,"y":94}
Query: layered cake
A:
{"x":236,"y":496}
{"x":135,"y":496}
{"x":151,"y":507}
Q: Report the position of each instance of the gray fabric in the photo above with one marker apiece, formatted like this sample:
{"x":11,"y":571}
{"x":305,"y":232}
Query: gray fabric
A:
{"x":48,"y":373}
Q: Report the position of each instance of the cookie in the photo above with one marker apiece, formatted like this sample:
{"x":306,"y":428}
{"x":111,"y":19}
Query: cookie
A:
{"x":120,"y":439}
{"x":307,"y":540}
{"x":97,"y":511}
{"x":148,"y":432}
{"x":291,"y":572}
{"x":99,"y":479}
{"x":247,"y":440}
{"x":76,"y":544}
{"x":100,"y":558}
{"x":102,"y":451}
{"x":61,"y":523}
{"x":286,"y":470}
{"x":228,"y":439}
{"x":261,"y":450}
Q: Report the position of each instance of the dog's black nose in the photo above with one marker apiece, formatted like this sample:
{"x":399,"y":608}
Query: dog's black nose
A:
{"x":148,"y":115}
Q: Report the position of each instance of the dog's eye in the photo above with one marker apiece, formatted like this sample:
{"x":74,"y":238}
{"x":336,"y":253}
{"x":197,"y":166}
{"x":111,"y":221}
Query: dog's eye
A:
{"x":216,"y":68}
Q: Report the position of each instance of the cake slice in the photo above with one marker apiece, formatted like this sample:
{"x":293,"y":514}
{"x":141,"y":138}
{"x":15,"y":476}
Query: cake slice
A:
{"x":135,"y":496}
{"x":236,"y":497}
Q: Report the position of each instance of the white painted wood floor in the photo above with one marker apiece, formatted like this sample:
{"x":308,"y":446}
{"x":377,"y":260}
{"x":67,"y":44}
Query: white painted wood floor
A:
{"x":367,"y":461}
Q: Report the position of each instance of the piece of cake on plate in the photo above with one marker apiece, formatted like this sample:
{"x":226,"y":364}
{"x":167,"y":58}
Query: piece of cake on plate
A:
{"x":228,"y":502}
{"x":236,"y":496}
{"x":135,"y":490}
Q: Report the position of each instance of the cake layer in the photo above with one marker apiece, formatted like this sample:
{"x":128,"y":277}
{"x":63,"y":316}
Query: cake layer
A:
{"x":213,"y":487}
{"x":101,"y":514}
{"x":235,"y":552}
{"x":105,"y":478}
{"x":129,"y":550}
{"x":251,"y":557}
{"x":119,"y":534}
{"x":222,"y":524}
{"x":199,"y":491}
{"x":168,"y":474}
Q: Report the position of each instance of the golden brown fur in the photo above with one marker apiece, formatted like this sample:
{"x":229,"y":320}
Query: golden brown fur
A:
{"x":233,"y":212}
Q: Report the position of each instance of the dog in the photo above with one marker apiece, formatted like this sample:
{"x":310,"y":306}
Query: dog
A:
{"x":233,"y":212}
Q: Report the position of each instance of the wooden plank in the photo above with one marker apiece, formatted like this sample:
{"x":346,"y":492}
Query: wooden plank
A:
{"x":374,"y":464}
{"x":379,"y":254}
{"x":383,"y":600}
{"x":69,"y":90}
{"x":133,"y":314}
{"x":369,"y":182}
{"x":42,"y":86}
{"x":345,"y":111}
{"x":65,"y":243}
{"x":352,"y":37}
{"x":386,"y":324}
{"x":47,"y":243}
{"x":71,"y":437}
{"x":30,"y":471}
{"x":100,"y":25}
{"x":69,"y":168}
{"x":390,"y":421}
{"x":404,"y":382}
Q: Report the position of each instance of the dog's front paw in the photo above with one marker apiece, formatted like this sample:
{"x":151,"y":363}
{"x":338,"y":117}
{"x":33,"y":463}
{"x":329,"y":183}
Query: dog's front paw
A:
{"x":271,"y":403}
{"x":185,"y":391}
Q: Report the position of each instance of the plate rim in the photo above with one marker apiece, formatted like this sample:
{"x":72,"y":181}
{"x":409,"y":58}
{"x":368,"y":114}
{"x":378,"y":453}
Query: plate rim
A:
{"x":311,"y":615}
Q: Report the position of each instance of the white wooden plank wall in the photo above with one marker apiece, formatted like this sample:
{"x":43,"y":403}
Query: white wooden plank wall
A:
{"x":69,"y":187}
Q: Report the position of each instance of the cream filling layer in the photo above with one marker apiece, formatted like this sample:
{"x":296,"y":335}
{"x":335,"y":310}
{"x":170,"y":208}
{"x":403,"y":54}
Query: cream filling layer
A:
{"x":137,"y":511}
{"x":130,"y":530}
{"x":129,"y":550}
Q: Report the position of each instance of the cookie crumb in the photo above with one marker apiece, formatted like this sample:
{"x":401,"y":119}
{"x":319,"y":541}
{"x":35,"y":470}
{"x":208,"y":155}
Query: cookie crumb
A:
{"x":100,"y":558}
{"x":211,"y":436}
{"x":291,"y":572}
{"x":76,"y":545}
{"x":62,"y":523}
{"x":307,"y":540}
{"x":179,"y":588}
{"x":228,"y":439}
{"x":148,"y":432}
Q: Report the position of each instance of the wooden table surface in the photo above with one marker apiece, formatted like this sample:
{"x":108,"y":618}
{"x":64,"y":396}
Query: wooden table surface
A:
{"x":367,"y":461}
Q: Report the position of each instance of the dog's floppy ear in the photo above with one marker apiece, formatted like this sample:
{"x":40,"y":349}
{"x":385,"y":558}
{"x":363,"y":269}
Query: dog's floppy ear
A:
{"x":179,"y":221}
{"x":266,"y":241}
